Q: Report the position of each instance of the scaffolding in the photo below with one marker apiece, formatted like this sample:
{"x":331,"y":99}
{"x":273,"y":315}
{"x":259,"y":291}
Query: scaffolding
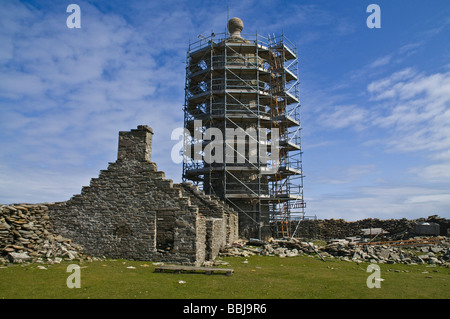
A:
{"x":246,"y":88}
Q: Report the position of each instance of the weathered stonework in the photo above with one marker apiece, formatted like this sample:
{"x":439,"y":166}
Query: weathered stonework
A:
{"x":132,"y":211}
{"x":25,"y":235}
{"x":327,"y":229}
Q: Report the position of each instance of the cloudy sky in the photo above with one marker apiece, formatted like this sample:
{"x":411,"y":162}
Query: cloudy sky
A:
{"x":375,"y":101}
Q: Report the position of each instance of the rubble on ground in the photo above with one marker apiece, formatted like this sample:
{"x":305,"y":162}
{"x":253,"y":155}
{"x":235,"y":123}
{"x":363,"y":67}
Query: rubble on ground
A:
{"x":437,"y":253}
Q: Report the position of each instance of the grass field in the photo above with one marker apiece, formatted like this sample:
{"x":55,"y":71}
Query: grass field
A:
{"x":256,"y":277}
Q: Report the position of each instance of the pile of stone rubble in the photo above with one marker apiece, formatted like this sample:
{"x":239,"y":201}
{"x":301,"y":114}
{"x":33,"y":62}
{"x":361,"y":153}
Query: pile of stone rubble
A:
{"x":438,"y":253}
{"x":25,"y":236}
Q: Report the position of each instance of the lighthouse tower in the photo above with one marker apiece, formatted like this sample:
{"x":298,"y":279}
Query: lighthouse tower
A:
{"x":242,"y":112}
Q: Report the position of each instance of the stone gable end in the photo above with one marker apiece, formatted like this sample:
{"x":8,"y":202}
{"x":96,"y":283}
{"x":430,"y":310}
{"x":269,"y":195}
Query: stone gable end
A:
{"x":132,"y":211}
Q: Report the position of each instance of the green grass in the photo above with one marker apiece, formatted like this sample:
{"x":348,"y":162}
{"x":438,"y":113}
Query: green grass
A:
{"x":262,"y":277}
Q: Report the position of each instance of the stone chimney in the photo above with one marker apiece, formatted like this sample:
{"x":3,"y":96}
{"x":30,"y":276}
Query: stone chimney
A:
{"x":136,"y":144}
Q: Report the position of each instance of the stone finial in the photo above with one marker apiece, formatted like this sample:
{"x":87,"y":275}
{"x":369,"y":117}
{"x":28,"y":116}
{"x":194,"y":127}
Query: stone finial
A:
{"x":235,"y":26}
{"x":136,"y":144}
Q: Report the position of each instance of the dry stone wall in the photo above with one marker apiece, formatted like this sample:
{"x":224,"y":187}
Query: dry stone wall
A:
{"x":26,"y":236}
{"x":327,"y":229}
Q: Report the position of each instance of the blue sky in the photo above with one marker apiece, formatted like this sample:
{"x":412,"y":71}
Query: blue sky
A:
{"x":375,"y":102}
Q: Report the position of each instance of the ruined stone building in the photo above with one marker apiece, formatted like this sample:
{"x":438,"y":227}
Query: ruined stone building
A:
{"x":132,"y":211}
{"x":129,"y":211}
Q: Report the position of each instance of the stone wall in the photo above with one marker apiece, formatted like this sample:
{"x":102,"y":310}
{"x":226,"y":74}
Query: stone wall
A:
{"x":327,"y":229}
{"x":132,"y":211}
{"x":213,"y":207}
{"x":26,"y":235}
{"x":127,"y":212}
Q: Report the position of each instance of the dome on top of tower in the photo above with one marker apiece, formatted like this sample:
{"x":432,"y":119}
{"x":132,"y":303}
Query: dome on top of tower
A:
{"x":235,"y":27}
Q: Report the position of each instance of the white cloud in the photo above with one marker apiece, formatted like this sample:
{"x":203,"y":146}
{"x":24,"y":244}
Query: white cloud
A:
{"x":67,"y":92}
{"x":344,"y":116}
{"x":381,"y":61}
{"x":383,"y":88}
{"x":408,"y":115}
{"x":418,"y":110}
{"x":434,"y":173}
{"x":351,"y":175}
{"x":382,"y":201}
